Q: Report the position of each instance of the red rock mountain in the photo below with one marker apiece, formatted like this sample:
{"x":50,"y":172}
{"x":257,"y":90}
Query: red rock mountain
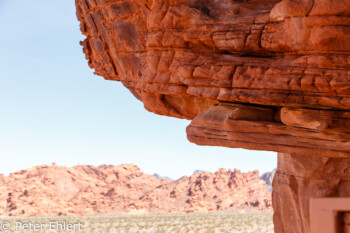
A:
{"x":53,"y":190}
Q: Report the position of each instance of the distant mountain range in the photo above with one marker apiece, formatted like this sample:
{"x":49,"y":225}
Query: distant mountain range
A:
{"x":54,"y":190}
{"x":198,"y":172}
{"x":268,"y":177}
{"x":159,"y":177}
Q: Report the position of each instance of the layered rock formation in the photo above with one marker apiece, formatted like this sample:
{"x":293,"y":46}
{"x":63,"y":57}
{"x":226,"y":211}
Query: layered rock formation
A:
{"x":52,"y":190}
{"x":182,"y":57}
{"x":255,"y":74}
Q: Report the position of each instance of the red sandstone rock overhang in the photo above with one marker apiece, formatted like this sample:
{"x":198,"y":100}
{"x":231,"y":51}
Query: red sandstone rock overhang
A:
{"x":255,"y":74}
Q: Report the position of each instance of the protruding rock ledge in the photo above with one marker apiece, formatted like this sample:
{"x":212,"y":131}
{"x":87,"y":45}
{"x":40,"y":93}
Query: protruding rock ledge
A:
{"x":267,"y":128}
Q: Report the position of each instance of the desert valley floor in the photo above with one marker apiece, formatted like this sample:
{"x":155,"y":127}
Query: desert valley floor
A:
{"x":254,"y":222}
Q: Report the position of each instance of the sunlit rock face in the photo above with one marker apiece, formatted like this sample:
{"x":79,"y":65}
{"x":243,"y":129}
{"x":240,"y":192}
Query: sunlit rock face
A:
{"x":255,"y":74}
{"x":181,"y":58}
{"x":53,"y":190}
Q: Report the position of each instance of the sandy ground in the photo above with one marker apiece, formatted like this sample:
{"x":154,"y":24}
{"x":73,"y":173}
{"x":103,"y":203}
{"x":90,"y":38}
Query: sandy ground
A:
{"x":151,"y":223}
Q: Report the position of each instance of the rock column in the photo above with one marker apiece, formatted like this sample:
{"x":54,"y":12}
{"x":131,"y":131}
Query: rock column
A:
{"x":298,"y":179}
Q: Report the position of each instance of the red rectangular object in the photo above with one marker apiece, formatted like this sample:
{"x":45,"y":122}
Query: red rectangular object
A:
{"x":330,"y":215}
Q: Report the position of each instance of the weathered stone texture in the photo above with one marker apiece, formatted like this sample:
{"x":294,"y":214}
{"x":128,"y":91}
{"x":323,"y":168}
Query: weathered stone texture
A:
{"x":298,"y":179}
{"x":288,"y":130}
{"x":226,"y":50}
{"x":255,"y":74}
{"x":182,"y":57}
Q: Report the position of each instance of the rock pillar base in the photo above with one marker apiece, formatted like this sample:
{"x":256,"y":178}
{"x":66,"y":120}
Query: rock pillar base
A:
{"x":298,"y":179}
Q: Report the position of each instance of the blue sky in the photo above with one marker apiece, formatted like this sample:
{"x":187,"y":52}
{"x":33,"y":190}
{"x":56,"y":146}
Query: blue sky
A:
{"x":54,"y":109}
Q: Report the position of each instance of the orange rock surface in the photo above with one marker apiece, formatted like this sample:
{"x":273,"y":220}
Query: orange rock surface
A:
{"x":53,"y":190}
{"x":299,"y":178}
{"x":255,"y":74}
{"x":207,"y":192}
{"x":181,"y":57}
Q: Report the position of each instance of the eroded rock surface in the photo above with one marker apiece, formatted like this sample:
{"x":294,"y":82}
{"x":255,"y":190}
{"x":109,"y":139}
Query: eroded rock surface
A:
{"x":207,"y":192}
{"x":255,"y":74}
{"x":299,"y":178}
{"x":53,"y":190}
{"x":180,"y":57}
{"x":288,"y":130}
